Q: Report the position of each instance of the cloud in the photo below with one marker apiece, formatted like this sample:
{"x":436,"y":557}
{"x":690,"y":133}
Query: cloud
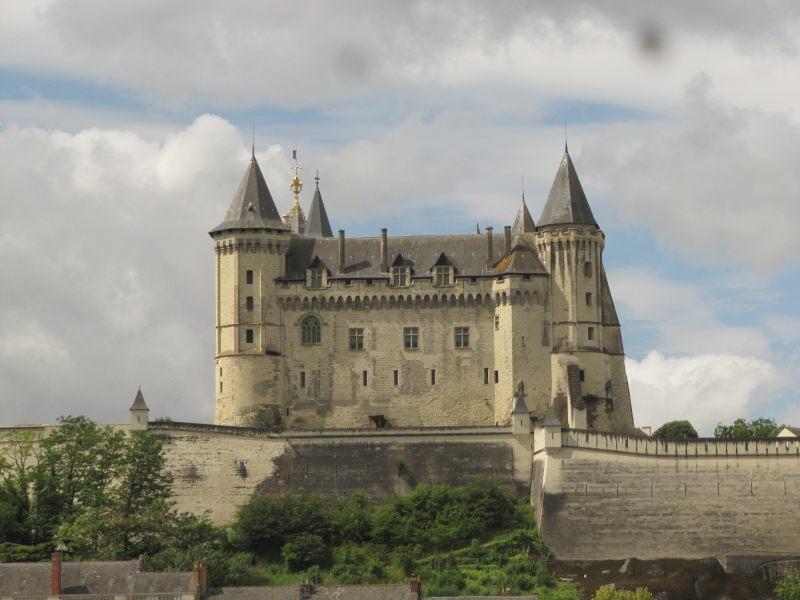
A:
{"x":717,"y":185}
{"x":706,"y":389}
{"x":203,"y":55}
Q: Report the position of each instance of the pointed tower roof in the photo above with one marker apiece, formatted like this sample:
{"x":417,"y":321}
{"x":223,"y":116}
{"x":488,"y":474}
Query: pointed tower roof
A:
{"x":317,"y":224}
{"x":524,"y":221}
{"x":521,"y":260}
{"x":252,"y":206}
{"x":567,"y":203}
{"x":138,"y":402}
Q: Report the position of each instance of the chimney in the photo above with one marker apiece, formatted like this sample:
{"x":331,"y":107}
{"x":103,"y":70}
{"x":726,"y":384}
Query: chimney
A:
{"x":384,"y":252}
{"x":507,"y":234}
{"x":489,"y":249}
{"x":341,"y":251}
{"x":55,"y":573}
{"x":200,"y":577}
{"x":415,"y":586}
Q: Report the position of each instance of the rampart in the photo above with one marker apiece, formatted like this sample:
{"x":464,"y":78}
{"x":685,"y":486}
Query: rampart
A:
{"x":217,"y":468}
{"x":606,"y":496}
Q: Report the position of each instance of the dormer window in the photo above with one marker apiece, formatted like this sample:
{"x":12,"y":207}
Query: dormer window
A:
{"x":400,"y":276}
{"x":442,"y":276}
{"x":316,"y":274}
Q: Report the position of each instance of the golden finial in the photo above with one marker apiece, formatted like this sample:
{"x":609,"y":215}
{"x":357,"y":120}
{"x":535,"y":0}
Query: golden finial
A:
{"x":296,"y":186}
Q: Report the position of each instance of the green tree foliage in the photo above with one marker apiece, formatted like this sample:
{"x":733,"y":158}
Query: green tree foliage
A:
{"x":608,"y":592}
{"x":741,"y":428}
{"x":675,"y":430}
{"x":789,"y":588}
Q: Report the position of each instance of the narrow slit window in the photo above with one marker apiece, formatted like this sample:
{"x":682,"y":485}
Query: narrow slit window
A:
{"x":582,"y":375}
{"x":302,"y":379}
{"x":364,"y":378}
{"x":248,"y":336}
{"x":590,"y":333}
{"x":497,"y":376}
{"x":587,"y":269}
{"x":396,"y":377}
{"x":248,"y":276}
{"x":588,"y":298}
{"x":433,"y":376}
{"x":496,"y":322}
{"x":486,"y":376}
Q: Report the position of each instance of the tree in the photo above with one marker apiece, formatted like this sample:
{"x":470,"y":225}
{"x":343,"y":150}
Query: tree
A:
{"x":757,"y":428}
{"x":675,"y":430}
{"x":609,"y":592}
{"x":789,"y":588}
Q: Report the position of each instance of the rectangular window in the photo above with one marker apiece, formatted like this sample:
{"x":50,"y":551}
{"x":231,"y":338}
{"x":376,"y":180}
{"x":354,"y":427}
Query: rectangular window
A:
{"x":248,"y":336}
{"x":302,"y":379}
{"x":582,"y":375}
{"x":249,"y":303}
{"x":433,"y":376}
{"x":399,"y":276}
{"x":364,"y":378}
{"x":220,"y":386}
{"x":315,"y":278}
{"x":356,"y":338}
{"x":587,"y":269}
{"x":396,"y":377}
{"x":442,"y":276}
{"x":590,"y":333}
{"x":249,"y":276}
{"x":497,"y":376}
{"x":588,"y":298}
{"x":411,"y":338}
{"x":462,"y":337}
{"x":522,"y":341}
{"x":486,"y":376}
{"x":496,"y":322}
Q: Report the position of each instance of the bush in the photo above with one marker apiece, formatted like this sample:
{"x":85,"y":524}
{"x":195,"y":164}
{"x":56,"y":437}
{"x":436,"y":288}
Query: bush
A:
{"x":303,"y":551}
{"x":609,"y":592}
{"x":789,"y":588}
{"x":675,"y":430}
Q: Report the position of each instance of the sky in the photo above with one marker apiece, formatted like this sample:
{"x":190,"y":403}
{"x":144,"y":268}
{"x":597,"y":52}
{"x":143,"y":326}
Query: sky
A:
{"x":125,"y":128}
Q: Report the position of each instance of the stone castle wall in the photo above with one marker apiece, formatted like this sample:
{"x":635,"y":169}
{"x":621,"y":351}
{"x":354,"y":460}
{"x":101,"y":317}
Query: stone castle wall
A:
{"x":605,"y":496}
{"x":218,"y":468}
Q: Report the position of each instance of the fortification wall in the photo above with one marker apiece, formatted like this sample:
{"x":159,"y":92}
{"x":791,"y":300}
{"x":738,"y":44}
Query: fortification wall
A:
{"x":605,"y":496}
{"x":218,"y":468}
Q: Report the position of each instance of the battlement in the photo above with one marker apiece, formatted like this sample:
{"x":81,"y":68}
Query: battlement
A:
{"x":690,"y":448}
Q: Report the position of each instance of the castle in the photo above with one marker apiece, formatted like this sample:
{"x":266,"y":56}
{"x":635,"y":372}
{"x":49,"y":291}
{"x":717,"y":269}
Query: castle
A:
{"x":319,"y":332}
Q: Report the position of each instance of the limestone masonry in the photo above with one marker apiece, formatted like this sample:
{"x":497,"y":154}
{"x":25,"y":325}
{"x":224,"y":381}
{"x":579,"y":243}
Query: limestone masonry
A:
{"x":314,"y":331}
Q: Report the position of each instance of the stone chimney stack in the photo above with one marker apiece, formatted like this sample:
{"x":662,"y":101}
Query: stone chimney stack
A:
{"x":507,"y":236}
{"x":384,"y":251}
{"x":341,"y":251}
{"x":55,"y":573}
{"x":489,"y":247}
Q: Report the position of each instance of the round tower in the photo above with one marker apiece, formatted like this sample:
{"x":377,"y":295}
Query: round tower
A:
{"x":589,"y":384}
{"x":250,"y":246}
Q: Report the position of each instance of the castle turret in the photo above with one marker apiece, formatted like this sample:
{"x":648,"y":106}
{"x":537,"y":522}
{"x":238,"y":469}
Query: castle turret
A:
{"x":586,"y":336}
{"x":318,"y":224}
{"x":250,"y":246}
{"x":139,"y":412}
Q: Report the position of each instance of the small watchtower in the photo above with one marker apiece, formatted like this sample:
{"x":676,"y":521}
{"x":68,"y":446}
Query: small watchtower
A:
{"x":139,"y":412}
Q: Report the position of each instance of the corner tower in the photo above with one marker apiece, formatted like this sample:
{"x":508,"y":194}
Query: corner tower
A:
{"x":250,"y":246}
{"x":589,"y":383}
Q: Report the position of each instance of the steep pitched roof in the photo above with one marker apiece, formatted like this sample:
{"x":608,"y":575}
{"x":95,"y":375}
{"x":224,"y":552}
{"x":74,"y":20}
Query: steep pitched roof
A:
{"x":609,"y":312}
{"x":521,"y":260}
{"x":252,"y":206}
{"x":567,"y":202}
{"x":524,"y":221}
{"x":138,"y":402}
{"x":317,"y":224}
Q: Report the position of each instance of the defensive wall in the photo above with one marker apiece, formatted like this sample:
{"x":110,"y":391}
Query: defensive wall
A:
{"x":217,"y":468}
{"x":602,"y":496}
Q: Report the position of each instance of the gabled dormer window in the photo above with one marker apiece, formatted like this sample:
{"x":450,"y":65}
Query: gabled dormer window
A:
{"x":443,"y":271}
{"x":400,"y":276}
{"x":316,"y":274}
{"x":442,"y":276}
{"x":400,"y":272}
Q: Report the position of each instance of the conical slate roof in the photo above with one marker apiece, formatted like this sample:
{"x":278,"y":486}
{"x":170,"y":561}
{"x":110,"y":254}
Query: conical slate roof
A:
{"x":317,"y":224}
{"x":567,"y":203}
{"x":524,"y":221}
{"x":138,"y":402}
{"x":252,"y":206}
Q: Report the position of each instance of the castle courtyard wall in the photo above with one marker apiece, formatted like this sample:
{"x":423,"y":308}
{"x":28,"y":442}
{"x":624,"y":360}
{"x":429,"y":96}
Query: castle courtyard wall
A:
{"x":605,"y":496}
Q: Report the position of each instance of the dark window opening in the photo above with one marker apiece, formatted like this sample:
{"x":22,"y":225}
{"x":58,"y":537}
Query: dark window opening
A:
{"x":302,"y":379}
{"x":497,"y":376}
{"x":249,"y":276}
{"x":462,"y":337}
{"x":310,"y":331}
{"x":486,"y":376}
{"x":582,"y":375}
{"x":364,"y":378}
{"x":433,"y":376}
{"x":249,"y":303}
{"x":587,"y":269}
{"x":590,"y":333}
{"x":396,"y":377}
{"x":248,"y":336}
{"x":411,"y":338}
{"x":588,"y":298}
{"x":356,"y":338}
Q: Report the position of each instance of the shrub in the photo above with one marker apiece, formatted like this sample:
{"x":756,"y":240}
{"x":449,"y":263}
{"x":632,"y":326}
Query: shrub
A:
{"x":304,"y":550}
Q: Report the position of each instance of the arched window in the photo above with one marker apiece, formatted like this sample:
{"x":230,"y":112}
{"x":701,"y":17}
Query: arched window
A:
{"x":310,"y":330}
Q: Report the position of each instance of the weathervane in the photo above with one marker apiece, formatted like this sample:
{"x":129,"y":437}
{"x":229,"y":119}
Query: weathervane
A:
{"x":296,"y":186}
